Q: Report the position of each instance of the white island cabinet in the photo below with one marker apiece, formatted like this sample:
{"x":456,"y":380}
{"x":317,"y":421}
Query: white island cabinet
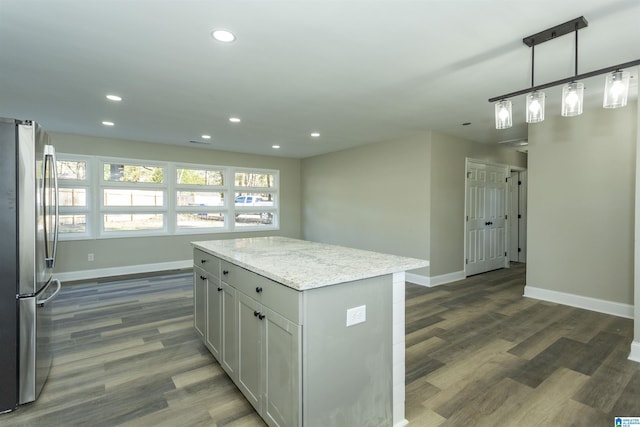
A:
{"x":312,"y":334}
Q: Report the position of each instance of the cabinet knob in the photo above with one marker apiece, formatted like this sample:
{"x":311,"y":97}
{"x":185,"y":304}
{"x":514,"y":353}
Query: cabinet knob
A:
{"x":203,"y":277}
{"x":259,"y":289}
{"x":261,"y":316}
{"x":256,"y":313}
{"x":225,"y":272}
{"x":202,"y":261}
{"x":219,"y":289}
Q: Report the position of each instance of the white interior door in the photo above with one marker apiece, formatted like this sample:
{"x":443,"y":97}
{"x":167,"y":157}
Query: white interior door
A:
{"x":517,"y":187}
{"x":485,"y":220}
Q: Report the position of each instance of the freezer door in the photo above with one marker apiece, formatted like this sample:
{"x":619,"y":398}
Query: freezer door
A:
{"x":36,"y":333}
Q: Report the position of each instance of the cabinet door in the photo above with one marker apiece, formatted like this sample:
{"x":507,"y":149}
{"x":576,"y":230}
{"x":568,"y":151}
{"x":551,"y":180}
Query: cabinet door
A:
{"x":199,"y":301}
{"x":250,"y":331}
{"x":282,"y":371}
{"x":229,"y":355}
{"x":214,"y":316}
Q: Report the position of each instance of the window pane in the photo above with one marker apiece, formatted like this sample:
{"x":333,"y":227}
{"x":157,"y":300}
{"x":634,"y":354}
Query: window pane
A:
{"x":199,"y":198}
{"x":72,"y":196}
{"x":249,"y":179}
{"x":71,"y":169}
{"x":254,"y":219}
{"x":254,"y":199}
{"x":199,"y":177}
{"x":129,"y":222}
{"x":73,"y":223}
{"x":133,"y":173}
{"x":124,"y":197}
{"x":201,"y":220}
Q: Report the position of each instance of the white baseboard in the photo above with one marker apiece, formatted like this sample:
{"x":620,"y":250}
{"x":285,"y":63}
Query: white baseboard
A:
{"x":430,"y":281}
{"x":635,"y":351}
{"x":403,"y":422}
{"x":588,"y":303}
{"x":121,"y":271}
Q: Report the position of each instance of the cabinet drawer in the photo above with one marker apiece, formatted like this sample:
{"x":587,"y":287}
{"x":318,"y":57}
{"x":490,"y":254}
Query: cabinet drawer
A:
{"x":206,"y":261}
{"x":276,"y":296}
{"x":202,"y":274}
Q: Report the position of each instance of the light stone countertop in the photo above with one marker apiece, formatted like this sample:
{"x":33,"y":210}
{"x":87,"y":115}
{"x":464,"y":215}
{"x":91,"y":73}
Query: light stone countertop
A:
{"x":304,"y":265}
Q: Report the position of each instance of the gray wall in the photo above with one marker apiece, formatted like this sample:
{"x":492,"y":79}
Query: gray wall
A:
{"x":404,"y":197}
{"x":373,"y":197}
{"x":117,"y":252}
{"x":581,"y":204}
{"x":448,"y":164}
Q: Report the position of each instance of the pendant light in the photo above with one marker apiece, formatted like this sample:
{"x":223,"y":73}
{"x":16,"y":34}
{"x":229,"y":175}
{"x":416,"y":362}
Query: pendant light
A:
{"x":535,"y":100}
{"x":616,"y":90}
{"x":572,"y":97}
{"x":503,"y":114}
{"x":573,"y":92}
{"x":535,"y":107}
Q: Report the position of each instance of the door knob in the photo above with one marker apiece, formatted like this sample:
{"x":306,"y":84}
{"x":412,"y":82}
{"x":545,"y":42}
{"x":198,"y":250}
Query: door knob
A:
{"x":219,"y":289}
{"x":225,"y":272}
{"x":202,"y":277}
{"x":261,"y":316}
{"x":258,"y":289}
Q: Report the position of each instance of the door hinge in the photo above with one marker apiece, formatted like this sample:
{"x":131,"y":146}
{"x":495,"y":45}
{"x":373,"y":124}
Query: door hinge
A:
{"x":519,"y":249}
{"x":505,"y":217}
{"x":519,"y":182}
{"x":467,"y":217}
{"x":505,"y":254}
{"x":506,"y":180}
{"x":519,"y":216}
{"x":468,"y":174}
{"x":466,"y":261}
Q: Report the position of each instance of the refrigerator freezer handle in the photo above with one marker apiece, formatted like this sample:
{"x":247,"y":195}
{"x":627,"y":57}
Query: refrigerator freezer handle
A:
{"x":41,"y":303}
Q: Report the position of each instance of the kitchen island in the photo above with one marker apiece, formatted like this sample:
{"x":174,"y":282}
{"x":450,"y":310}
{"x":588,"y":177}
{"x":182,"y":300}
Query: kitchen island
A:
{"x":312,"y":334}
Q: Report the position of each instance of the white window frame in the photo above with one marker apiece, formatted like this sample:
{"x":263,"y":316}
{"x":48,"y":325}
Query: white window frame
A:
{"x":95,"y":184}
{"x":274,"y":210}
{"x":142,"y":186}
{"x":224,"y":209}
{"x":78,"y":210}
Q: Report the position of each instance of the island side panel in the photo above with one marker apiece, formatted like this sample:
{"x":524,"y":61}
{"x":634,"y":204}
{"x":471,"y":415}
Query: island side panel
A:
{"x":348,"y":370}
{"x":399,"y":349}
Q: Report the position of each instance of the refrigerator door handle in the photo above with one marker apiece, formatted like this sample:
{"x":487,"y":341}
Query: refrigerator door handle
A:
{"x":50,"y":161}
{"x":56,"y":205}
{"x":41,"y":303}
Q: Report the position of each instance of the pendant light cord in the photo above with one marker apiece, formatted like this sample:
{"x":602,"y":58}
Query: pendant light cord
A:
{"x":576,"y":67}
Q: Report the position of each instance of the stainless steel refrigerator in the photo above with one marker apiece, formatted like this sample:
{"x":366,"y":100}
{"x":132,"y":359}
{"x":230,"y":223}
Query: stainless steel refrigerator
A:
{"x":28,"y":240}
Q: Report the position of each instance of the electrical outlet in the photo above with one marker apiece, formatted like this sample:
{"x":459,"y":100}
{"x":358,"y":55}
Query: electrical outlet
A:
{"x":356,"y":315}
{"x":90,"y":257}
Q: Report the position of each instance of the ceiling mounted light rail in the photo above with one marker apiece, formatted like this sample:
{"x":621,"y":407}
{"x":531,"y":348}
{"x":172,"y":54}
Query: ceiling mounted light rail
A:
{"x":616,"y":85}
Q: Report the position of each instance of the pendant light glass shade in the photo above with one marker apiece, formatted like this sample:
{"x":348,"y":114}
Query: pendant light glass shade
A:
{"x":503,"y":114}
{"x":572,"y":95}
{"x":535,"y":107}
{"x":616,"y":90}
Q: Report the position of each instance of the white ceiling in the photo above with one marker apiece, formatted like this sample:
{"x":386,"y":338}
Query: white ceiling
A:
{"x":355,"y":71}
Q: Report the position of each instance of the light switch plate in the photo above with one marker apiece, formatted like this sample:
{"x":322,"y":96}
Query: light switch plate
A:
{"x":356,"y":315}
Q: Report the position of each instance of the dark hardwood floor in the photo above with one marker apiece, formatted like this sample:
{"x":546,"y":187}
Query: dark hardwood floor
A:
{"x":478,"y":354}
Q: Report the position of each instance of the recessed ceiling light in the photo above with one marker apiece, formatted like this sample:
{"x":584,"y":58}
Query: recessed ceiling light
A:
{"x":114,"y":98}
{"x":106,"y":123}
{"x":234,"y":119}
{"x":275,"y":146}
{"x":223,"y":36}
{"x":206,"y":136}
{"x":315,"y":134}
